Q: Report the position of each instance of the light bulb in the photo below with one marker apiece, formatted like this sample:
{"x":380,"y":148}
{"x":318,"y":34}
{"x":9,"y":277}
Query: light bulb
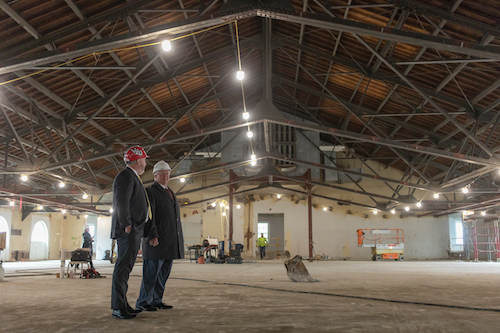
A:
{"x":393,"y":211}
{"x":166,"y":46}
{"x":213,"y":204}
{"x":325,"y":209}
{"x":61,"y":184}
{"x":253,"y":157}
{"x":39,"y":207}
{"x":407,"y":208}
{"x":436,"y":195}
{"x":24,"y":178}
{"x":249,"y":134}
{"x":11,"y":203}
{"x":63,"y":211}
{"x":85,"y":196}
{"x":279,"y":196}
{"x":246,"y":115}
{"x":240,"y":75}
{"x":419,"y":204}
{"x":375,"y":212}
{"x":183,"y":180}
{"x":483,"y":213}
{"x":238,"y":206}
{"x":86,"y":215}
{"x":253,"y":163}
{"x":111,"y":210}
{"x":221,"y":204}
{"x":223,"y":213}
{"x":465,"y":190}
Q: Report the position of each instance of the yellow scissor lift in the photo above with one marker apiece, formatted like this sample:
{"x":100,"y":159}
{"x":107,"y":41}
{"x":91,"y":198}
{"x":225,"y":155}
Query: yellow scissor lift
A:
{"x":387,"y":243}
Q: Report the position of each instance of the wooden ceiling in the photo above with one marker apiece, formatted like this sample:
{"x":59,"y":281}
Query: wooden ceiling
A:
{"x":413,"y":84}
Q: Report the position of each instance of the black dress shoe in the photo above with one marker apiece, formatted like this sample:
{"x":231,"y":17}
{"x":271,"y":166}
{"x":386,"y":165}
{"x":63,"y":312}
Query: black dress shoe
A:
{"x":146,"y":307}
{"x":132,"y":311}
{"x":122,"y":314}
{"x":162,"y":306}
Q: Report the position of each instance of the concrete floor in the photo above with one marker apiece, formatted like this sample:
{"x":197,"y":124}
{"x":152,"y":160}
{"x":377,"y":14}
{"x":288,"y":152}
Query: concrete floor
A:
{"x":352,"y":296}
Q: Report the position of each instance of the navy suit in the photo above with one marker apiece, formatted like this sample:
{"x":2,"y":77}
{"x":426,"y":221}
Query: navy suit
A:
{"x":166,"y":226}
{"x":130,"y":208}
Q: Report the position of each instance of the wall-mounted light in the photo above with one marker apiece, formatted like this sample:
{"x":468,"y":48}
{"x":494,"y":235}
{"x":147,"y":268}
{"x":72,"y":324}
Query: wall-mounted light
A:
{"x":238,"y":206}
{"x":393,"y":211}
{"x":325,"y":209}
{"x":111,"y":210}
{"x":278,"y":196}
{"x":86,"y":216}
{"x":375,"y":212}
{"x":213,"y":204}
{"x":223,"y":213}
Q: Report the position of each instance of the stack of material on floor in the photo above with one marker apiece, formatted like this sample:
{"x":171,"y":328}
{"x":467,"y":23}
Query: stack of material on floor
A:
{"x":296,"y":270}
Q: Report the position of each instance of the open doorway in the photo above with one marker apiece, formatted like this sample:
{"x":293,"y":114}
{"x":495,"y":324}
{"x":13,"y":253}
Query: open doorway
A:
{"x":273,"y":228}
{"x":39,"y":248}
{"x":4,"y":227}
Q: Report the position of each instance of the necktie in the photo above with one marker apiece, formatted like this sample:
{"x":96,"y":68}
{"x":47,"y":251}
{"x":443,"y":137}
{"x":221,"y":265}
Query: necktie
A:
{"x":147,"y":198}
{"x":170,"y":193}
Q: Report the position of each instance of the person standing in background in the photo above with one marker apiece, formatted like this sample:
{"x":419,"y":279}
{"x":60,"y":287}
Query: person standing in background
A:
{"x":262,"y":243}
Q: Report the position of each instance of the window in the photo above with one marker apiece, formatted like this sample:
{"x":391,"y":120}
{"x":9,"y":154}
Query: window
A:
{"x":263,"y":228}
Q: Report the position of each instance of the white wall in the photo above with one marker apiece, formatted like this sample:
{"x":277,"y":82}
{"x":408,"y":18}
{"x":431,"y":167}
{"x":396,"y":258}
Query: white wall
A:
{"x":102,"y":236}
{"x":334,"y":232}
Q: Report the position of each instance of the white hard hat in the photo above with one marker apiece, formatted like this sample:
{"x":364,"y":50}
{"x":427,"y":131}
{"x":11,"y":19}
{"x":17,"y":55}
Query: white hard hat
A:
{"x":162,"y":165}
{"x":85,"y":227}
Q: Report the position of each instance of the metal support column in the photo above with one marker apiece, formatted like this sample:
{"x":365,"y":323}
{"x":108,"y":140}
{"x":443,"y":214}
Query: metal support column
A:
{"x":309,"y":213}
{"x":231,"y":208}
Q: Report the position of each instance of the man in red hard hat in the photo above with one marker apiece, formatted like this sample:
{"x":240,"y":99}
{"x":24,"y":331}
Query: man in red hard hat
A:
{"x":131,"y":210}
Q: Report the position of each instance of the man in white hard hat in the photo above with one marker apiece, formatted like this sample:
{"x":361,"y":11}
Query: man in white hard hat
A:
{"x":164,"y":242}
{"x":131,"y":210}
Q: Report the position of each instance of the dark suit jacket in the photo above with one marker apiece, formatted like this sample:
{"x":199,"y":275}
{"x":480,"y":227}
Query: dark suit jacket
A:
{"x":166,"y":225}
{"x":130,"y":206}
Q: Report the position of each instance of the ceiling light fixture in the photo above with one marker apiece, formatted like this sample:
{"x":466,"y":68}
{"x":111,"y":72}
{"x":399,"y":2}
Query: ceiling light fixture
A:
{"x":240,"y":75}
{"x":253,"y":163}
{"x":61,"y":184}
{"x":183,"y":180}
{"x":166,"y":45}
{"x":223,"y":213}
{"x":375,"y":212}
{"x":325,"y":209}
{"x":111,"y":210}
{"x":86,"y":216}
{"x":246,"y":115}
{"x":63,"y":211}
{"x":436,"y":195}
{"x":85,"y":196}
{"x":419,"y":204}
{"x":213,"y":204}
{"x":465,"y":190}
{"x":39,"y":207}
{"x":24,"y":178}
{"x":253,"y":157}
{"x":393,"y":211}
{"x":238,"y":206}
{"x":483,"y":213}
{"x":11,"y":203}
{"x":407,"y":208}
{"x":278,"y":196}
{"x":249,"y":134}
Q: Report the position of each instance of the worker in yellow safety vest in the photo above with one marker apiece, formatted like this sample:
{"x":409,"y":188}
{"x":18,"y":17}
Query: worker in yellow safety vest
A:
{"x":262,"y":243}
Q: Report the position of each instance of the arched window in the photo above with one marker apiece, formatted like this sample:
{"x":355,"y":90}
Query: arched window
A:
{"x":4,"y":227}
{"x":39,"y":248}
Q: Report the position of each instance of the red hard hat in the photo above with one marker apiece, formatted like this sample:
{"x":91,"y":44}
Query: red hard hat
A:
{"x":134,"y":153}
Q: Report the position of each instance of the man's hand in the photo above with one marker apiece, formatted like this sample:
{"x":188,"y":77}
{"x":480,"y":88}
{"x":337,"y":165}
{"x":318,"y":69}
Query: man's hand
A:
{"x":154,"y":242}
{"x":128,"y":229}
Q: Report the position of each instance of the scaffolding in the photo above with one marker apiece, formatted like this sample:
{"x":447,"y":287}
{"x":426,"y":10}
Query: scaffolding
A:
{"x":482,"y":238}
